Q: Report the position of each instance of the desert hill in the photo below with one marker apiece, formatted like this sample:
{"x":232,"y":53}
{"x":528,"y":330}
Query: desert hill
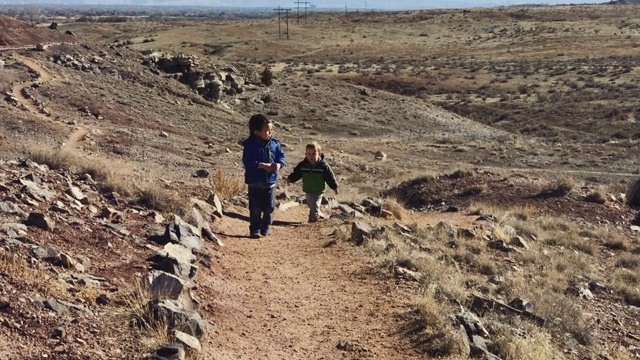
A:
{"x":17,"y":33}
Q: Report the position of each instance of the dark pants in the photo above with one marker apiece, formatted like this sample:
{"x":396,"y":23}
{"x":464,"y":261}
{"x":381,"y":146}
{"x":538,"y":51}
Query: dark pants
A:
{"x":262,"y":203}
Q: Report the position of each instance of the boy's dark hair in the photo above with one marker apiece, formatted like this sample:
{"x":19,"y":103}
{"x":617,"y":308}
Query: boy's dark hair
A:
{"x":257,"y":122}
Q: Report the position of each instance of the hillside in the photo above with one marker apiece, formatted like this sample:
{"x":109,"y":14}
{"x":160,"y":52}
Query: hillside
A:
{"x":14,"y":33}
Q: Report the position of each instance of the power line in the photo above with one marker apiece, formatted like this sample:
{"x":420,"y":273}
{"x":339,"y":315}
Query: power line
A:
{"x":306,"y":5}
{"x":281,"y":11}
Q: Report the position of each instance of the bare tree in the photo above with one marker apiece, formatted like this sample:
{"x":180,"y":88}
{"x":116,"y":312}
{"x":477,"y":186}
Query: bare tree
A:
{"x":33,"y":14}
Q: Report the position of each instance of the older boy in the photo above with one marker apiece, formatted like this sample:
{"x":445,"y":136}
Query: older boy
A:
{"x":262,"y":157}
{"x":315,"y":172}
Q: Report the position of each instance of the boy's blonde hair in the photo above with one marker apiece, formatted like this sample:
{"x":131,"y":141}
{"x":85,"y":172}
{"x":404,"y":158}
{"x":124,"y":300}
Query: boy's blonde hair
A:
{"x":315,"y":146}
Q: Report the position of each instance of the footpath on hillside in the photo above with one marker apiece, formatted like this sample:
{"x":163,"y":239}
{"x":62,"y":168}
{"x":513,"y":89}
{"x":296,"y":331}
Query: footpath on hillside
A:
{"x":297,"y":295}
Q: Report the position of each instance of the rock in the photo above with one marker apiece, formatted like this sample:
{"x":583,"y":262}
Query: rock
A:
{"x":510,"y":231}
{"x":579,"y":292}
{"x":47,"y":254}
{"x":76,"y":193}
{"x":386,"y":214}
{"x":175,"y":259}
{"x":69,"y":32}
{"x":633,"y":194}
{"x":446,"y":228}
{"x":157,"y":217}
{"x":380,"y":156}
{"x":35,"y":191}
{"x":521,"y":304}
{"x":177,"y":317}
{"x":41,"y":221}
{"x":360,"y":232}
{"x":202,"y":173}
{"x":472,"y":323}
{"x":162,"y":285}
{"x":2,"y":64}
{"x":58,"y":333}
{"x":55,"y":305}
{"x":5,"y":305}
{"x":372,"y":206}
{"x":13,"y":209}
{"x":173,"y":351}
{"x":164,"y":134}
{"x":188,"y":341}
{"x":408,"y":274}
{"x":519,"y":242}
{"x":596,"y":287}
{"x":15,"y":227}
{"x":351,"y":346}
{"x":214,"y":200}
{"x":70,"y":263}
{"x":183,"y":235}
{"x":103,"y":300}
{"x":460,"y":335}
{"x":501,"y":246}
{"x":33,"y":177}
{"x":288,"y":205}
{"x":111,"y":214}
{"x":40,"y":47}
{"x":479,"y":347}
{"x":283,"y":196}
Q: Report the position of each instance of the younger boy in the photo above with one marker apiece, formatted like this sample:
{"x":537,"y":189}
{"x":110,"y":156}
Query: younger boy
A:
{"x":315,"y":172}
{"x":262,"y":157}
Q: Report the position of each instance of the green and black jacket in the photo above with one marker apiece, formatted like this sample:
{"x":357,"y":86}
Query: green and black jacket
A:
{"x":314,"y":177}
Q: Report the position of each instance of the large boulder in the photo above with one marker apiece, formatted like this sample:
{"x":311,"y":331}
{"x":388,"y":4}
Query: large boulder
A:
{"x":162,"y":285}
{"x":633,"y":193}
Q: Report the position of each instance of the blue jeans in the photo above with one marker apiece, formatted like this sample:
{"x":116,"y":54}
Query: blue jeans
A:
{"x":262,"y":203}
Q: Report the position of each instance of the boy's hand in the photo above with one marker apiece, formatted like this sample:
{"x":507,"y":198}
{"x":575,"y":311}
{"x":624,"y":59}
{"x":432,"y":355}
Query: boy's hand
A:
{"x":264,"y":166}
{"x":336,"y":191}
{"x":274,"y":167}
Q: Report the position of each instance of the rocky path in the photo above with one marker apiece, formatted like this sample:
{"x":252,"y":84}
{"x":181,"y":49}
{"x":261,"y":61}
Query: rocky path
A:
{"x":43,"y":77}
{"x":297,"y":295}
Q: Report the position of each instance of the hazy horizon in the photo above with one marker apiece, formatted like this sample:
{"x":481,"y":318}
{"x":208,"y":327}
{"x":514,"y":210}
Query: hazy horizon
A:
{"x":320,"y":4}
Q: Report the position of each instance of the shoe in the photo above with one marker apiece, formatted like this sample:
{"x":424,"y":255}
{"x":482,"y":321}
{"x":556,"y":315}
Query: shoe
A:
{"x":313,"y":220}
{"x":254,"y":236}
{"x":264,"y":232}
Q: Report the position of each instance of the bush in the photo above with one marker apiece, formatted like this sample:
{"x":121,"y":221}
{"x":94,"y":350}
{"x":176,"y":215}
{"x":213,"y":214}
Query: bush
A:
{"x":267,"y":77}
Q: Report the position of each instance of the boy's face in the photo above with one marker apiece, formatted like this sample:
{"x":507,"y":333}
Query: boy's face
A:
{"x":265,"y":132}
{"x":312,"y":155}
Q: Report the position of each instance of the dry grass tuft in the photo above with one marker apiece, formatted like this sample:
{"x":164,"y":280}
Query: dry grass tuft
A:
{"x":628,"y":261}
{"x":395,"y":206}
{"x":596,"y":197}
{"x":226,"y":187}
{"x":430,"y":328}
{"x":153,"y":331}
{"x":536,"y":345}
{"x":155,"y":197}
{"x":54,"y":159}
{"x":563,"y":185}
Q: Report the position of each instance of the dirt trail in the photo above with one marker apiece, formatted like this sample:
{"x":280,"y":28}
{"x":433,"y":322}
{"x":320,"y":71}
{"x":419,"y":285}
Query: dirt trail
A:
{"x":288,"y":297}
{"x":43,"y":77}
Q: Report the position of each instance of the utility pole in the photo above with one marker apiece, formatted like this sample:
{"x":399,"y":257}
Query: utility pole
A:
{"x":281,"y":11}
{"x":306,"y":6}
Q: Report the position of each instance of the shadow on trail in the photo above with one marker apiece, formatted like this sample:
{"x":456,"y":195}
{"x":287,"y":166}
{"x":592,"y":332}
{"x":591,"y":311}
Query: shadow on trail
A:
{"x":235,"y":215}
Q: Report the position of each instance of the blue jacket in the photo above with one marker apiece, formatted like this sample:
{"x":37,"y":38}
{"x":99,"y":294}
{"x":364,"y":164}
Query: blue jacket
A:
{"x":255,"y":151}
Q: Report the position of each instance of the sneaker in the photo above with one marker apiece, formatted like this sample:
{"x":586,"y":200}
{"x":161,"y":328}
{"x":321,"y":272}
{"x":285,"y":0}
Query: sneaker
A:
{"x":264,"y":232}
{"x":254,"y":236}
{"x":313,"y":220}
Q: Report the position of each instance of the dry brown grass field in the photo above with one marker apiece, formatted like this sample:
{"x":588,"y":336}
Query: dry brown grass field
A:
{"x":510,"y":136}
